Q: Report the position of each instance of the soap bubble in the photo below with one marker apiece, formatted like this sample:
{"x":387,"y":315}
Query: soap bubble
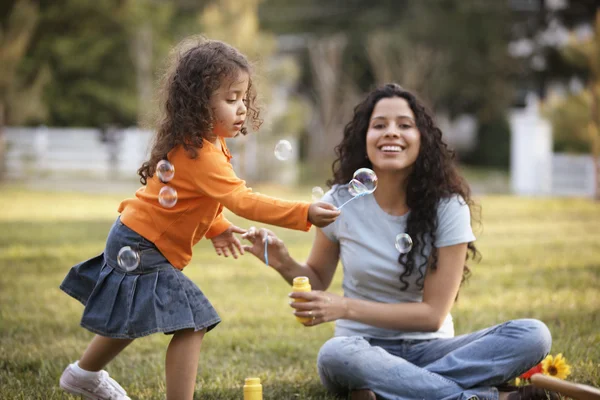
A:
{"x":404,"y":243}
{"x":167,"y":197}
{"x":364,"y":181}
{"x":165,"y":171}
{"x":283,"y":150}
{"x":357,"y":188}
{"x":128,"y":258}
{"x":317,"y":193}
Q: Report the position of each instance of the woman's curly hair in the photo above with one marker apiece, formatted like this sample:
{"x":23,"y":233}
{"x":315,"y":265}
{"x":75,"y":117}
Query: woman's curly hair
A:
{"x":196,"y":69}
{"x":434,"y":177}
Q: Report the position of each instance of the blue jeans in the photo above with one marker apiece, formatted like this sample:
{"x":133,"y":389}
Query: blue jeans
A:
{"x":463,"y":367}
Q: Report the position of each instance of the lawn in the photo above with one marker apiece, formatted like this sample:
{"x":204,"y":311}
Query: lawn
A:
{"x":541,"y":259}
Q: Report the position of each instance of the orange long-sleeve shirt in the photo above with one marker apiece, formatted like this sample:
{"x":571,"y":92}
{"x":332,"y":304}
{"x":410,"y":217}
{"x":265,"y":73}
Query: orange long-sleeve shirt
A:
{"x":204,"y":185}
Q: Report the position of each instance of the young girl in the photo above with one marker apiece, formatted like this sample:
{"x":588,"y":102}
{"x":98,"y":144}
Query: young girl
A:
{"x":136,"y":287}
{"x":394,"y":335}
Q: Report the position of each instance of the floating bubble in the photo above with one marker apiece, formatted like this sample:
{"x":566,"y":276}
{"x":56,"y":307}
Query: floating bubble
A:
{"x":165,"y":171}
{"x":355,"y":188}
{"x":317,"y":193}
{"x":283,"y":150}
{"x":364,"y":181}
{"x":404,"y":243}
{"x":128,"y":258}
{"x":167,"y":197}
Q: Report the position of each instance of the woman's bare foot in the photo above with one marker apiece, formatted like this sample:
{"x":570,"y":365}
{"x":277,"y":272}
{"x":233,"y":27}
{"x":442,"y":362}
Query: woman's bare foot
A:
{"x":362,"y":394}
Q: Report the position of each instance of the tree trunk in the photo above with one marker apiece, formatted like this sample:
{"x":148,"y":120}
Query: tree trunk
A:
{"x":595,"y":135}
{"x":594,"y":61}
{"x":2,"y":142}
{"x":335,"y":95}
{"x":142,"y":55}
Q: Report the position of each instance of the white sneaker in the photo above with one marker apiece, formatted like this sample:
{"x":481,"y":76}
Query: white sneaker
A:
{"x":101,"y":387}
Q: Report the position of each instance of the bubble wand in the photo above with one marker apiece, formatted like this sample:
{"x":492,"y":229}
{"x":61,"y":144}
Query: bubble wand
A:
{"x":364,"y":182}
{"x":355,"y":197}
{"x":266,"y":240}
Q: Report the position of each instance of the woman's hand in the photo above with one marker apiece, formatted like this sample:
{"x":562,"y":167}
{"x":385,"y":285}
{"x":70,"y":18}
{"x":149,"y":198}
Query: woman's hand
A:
{"x":320,"y":306}
{"x":277,"y":252}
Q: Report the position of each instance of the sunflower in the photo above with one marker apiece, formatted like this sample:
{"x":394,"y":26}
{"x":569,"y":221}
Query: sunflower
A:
{"x":556,"y":367}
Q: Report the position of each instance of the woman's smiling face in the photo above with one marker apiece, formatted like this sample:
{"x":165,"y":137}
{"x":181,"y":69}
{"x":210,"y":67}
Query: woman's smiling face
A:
{"x":393,"y":139}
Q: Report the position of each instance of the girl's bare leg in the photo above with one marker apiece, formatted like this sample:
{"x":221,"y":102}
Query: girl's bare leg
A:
{"x":101,"y":351}
{"x":182,"y":364}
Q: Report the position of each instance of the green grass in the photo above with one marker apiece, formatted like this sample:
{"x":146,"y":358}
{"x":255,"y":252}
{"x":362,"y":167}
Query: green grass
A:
{"x":541,"y":259}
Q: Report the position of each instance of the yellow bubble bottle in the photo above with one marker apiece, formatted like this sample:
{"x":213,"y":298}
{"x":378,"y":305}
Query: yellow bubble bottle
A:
{"x":301,"y":284}
{"x":252,"y":389}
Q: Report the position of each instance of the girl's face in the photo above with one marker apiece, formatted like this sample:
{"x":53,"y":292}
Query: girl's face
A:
{"x":229,"y":109}
{"x":393,"y":140}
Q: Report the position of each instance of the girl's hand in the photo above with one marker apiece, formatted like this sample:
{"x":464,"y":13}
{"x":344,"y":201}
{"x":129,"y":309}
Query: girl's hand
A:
{"x":322,"y":214}
{"x":226,"y":242}
{"x":320,"y":307}
{"x":278,"y":253}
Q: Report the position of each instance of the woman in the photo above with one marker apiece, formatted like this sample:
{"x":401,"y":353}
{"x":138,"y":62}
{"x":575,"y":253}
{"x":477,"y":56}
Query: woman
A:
{"x":394,"y":335}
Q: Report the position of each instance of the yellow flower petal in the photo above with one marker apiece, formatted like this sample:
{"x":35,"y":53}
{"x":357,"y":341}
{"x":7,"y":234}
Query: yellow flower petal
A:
{"x":556,"y":366}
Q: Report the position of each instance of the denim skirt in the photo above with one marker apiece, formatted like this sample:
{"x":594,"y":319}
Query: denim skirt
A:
{"x":127,"y":304}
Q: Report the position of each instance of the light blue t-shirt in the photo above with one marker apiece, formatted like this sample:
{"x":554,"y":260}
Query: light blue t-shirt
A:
{"x":366,"y":235}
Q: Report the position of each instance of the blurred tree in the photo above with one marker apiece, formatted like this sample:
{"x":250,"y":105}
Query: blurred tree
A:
{"x":236,"y":22}
{"x":101,"y":56}
{"x":493,"y":143}
{"x":84,"y":42}
{"x":147,"y":24}
{"x":20,"y":93}
{"x":335,"y":95}
{"x":452,"y":54}
{"x":539,"y":29}
{"x":19,"y":96}
{"x":586,"y":53}
{"x":333,"y":59}
{"x":323,"y":17}
{"x":570,"y":117}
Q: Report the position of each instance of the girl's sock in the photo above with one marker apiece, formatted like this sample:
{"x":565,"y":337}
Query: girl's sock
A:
{"x":82,"y":373}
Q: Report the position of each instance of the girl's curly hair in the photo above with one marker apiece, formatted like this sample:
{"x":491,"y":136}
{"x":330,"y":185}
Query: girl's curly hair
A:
{"x":434,"y":177}
{"x":197,"y":67}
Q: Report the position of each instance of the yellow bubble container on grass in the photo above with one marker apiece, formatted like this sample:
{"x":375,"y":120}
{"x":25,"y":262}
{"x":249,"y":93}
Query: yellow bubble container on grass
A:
{"x":301,"y":284}
{"x":252,"y":389}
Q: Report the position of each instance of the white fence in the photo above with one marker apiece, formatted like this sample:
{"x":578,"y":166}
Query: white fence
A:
{"x":535,"y":170}
{"x":46,"y":153}
{"x":573,"y":175}
{"x":70,"y":153}
{"x":530,"y":151}
{"x":86,"y":153}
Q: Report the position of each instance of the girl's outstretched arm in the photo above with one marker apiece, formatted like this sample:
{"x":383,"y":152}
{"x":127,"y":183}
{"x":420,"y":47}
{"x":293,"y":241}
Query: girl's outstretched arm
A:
{"x":216,"y":179}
